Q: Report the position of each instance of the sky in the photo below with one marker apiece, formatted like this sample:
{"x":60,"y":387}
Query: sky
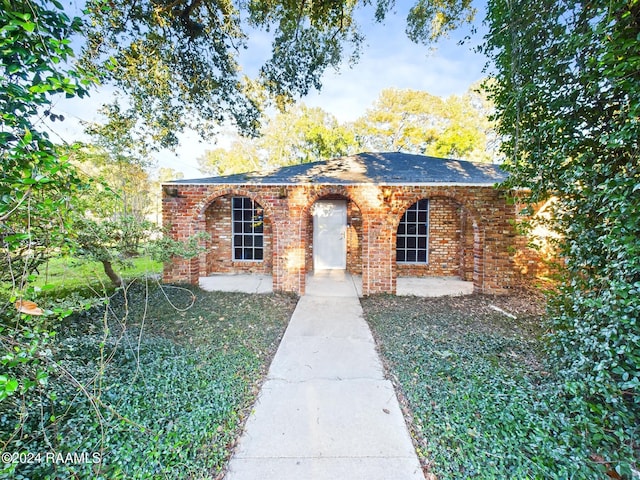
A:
{"x":388,"y":59}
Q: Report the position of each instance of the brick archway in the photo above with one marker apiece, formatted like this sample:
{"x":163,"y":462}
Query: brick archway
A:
{"x":218,"y":256}
{"x":460,"y":234}
{"x":354,"y":226}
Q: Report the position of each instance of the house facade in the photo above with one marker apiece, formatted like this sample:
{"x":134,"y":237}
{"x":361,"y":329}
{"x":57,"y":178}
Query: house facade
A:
{"x":378,"y":215}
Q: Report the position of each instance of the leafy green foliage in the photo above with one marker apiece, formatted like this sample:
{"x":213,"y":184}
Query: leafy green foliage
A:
{"x":418,"y":122}
{"x":156,"y":382}
{"x":407,"y":120}
{"x":484,"y":400}
{"x":178,"y":62}
{"x":567,"y":95}
{"x":299,"y":135}
{"x":36,"y":180}
{"x":110,"y":219}
{"x":119,"y":240}
{"x":429,"y":20}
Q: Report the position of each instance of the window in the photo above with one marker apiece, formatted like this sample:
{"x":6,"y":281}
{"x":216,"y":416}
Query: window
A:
{"x":412,"y":239}
{"x":247,"y":228}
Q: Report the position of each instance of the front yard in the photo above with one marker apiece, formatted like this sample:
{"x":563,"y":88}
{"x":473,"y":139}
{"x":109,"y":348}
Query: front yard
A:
{"x":482,"y":401}
{"x":158,"y":383}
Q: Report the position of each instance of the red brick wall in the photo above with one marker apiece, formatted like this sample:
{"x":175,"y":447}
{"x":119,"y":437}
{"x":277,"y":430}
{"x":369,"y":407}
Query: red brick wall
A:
{"x":445,"y":242}
{"x":219,"y":255}
{"x":471,"y":233}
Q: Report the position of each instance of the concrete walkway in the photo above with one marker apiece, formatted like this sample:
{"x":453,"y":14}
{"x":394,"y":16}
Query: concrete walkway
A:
{"x":326,"y":412}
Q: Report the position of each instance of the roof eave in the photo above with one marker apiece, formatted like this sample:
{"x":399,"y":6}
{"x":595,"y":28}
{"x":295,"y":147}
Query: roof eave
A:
{"x":378,"y":184}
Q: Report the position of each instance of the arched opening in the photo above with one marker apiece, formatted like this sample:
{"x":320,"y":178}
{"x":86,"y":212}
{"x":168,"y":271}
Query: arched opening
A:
{"x":334,"y":235}
{"x":240,"y":236}
{"x":437,"y":236}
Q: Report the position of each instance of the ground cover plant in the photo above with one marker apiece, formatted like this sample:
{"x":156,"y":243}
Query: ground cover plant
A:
{"x":484,"y":402}
{"x":152,"y":384}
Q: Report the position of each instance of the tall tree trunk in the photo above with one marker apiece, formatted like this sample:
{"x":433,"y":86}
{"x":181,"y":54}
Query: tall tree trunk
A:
{"x":113,"y":276}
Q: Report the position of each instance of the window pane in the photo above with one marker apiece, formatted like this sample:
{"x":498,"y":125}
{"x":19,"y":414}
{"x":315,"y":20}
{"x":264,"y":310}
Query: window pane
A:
{"x":412,"y":236}
{"x":247,"y":229}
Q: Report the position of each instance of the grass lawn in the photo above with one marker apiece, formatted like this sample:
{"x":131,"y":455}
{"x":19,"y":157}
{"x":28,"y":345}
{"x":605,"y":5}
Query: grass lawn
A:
{"x":70,"y":273}
{"x":156,"y":384}
{"x":474,"y":381}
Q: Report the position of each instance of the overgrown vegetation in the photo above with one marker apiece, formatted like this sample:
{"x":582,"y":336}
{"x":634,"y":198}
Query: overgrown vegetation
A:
{"x":567,"y":95}
{"x":153,"y":384}
{"x":485,"y":401}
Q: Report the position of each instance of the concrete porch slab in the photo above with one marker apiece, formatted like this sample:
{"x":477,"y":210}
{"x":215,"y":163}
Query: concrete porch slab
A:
{"x":246,"y":283}
{"x":432,"y":286}
{"x":338,"y":283}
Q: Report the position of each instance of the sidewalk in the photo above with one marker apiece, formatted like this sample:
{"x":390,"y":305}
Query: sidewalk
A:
{"x":325,"y":411}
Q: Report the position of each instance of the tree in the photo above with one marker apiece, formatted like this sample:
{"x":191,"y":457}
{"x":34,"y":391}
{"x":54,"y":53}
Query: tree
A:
{"x":299,"y":135}
{"x":36,"y":184}
{"x":567,"y":95}
{"x":418,"y":122}
{"x":303,"y":134}
{"x":37,"y":179}
{"x":177,"y":62}
{"x":241,"y":156}
{"x":117,"y":185}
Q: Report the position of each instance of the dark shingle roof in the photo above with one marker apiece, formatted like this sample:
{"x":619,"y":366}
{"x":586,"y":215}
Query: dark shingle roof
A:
{"x":377,"y":168}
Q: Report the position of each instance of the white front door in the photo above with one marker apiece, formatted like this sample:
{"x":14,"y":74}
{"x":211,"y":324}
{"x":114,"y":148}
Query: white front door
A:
{"x":329,"y":235}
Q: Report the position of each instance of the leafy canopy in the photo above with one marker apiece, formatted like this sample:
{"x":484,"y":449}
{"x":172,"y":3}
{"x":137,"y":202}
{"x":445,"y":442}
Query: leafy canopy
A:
{"x":418,"y":122}
{"x":299,"y":135}
{"x":36,"y":180}
{"x":178,"y":62}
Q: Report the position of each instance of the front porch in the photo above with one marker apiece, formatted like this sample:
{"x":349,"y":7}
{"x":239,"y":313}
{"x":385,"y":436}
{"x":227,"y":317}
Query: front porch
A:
{"x":329,"y":280}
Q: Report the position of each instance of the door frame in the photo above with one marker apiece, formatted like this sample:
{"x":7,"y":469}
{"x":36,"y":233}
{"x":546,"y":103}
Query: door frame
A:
{"x":337,"y":234}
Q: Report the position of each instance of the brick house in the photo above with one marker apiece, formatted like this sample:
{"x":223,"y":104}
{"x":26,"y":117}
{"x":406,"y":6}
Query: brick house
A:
{"x":378,"y":215}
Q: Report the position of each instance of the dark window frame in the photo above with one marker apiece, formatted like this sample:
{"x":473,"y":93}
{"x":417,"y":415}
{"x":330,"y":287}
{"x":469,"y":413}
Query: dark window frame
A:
{"x":247,"y":230}
{"x":412,"y":235}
